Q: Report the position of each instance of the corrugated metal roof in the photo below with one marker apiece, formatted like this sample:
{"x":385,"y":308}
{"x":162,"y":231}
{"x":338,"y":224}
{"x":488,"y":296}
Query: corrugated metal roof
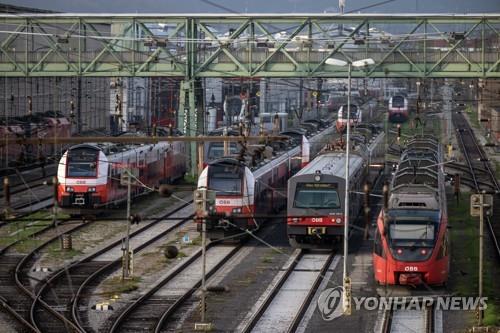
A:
{"x":333,"y":164}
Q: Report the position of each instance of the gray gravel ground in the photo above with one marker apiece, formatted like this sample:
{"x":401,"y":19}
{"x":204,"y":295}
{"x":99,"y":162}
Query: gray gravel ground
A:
{"x":246,"y":280}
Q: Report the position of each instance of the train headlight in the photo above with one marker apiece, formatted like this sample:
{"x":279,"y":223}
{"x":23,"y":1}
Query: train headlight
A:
{"x":237,"y":210}
{"x":317,"y":176}
{"x":295,"y":220}
{"x":338,"y":220}
{"x":69,"y":189}
{"x":91,"y":189}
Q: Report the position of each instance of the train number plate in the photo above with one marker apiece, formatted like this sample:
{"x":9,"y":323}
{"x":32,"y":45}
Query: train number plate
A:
{"x":316,"y":231}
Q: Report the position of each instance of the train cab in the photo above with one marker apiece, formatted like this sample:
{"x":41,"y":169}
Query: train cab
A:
{"x":354,"y":118}
{"x":82,"y":175}
{"x":398,"y":109}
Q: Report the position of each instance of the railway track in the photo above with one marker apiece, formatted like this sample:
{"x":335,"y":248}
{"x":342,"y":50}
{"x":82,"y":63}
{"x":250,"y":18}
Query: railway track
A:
{"x":30,"y":200}
{"x":18,"y":179}
{"x":286,"y":302}
{"x":402,"y":321}
{"x":11,"y":263}
{"x":476,"y":159}
{"x":154,"y":309}
{"x":63,"y":290}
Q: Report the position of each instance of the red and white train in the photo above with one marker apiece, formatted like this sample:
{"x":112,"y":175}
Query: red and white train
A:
{"x":315,"y":209}
{"x":89,"y":175}
{"x":411,"y":245}
{"x":354,"y":119}
{"x":245,"y":194}
{"x":398,"y":109}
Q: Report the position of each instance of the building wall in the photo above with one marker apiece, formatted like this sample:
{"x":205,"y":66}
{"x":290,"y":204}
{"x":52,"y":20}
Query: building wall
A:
{"x":489,"y":106}
{"x":55,"y":94}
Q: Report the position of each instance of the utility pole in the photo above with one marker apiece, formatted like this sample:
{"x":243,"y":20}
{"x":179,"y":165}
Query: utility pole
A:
{"x":204,"y":203}
{"x":346,"y":279}
{"x":477,"y":204}
{"x":126,"y":249}
{"x":481,"y":240}
{"x":79,"y":105}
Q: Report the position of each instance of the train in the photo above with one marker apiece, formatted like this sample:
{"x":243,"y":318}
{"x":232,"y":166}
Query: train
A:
{"x":354,"y":119}
{"x":215,"y":150}
{"x":90,"y":176}
{"x":315,"y":205}
{"x":398,"y":109}
{"x":248,"y":190}
{"x":39,"y":125}
{"x":411,"y":243}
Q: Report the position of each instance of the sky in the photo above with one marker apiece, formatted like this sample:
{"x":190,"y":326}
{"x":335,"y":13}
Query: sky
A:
{"x":260,"y":6}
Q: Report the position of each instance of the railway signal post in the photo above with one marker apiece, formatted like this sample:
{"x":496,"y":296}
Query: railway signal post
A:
{"x":126,"y":179}
{"x":477,"y":204}
{"x":204,"y":203}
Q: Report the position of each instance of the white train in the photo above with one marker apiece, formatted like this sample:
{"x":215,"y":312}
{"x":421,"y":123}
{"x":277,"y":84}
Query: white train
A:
{"x":315,"y":209}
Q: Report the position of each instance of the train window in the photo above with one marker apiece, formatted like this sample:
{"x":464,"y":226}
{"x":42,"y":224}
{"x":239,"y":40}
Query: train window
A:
{"x":378,"y":249}
{"x":216,"y":150}
{"x":443,"y":250}
{"x":316,"y":196}
{"x":225,"y":180}
{"x":398,"y":101}
{"x":82,"y":162}
{"x":354,"y":112}
{"x":411,"y":234}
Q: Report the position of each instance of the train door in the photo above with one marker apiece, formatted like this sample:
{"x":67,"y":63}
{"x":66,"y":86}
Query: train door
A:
{"x":169,"y":165}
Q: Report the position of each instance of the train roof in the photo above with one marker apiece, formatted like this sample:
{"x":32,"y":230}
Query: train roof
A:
{"x":418,"y":180}
{"x":226,"y":161}
{"x":85,"y":145}
{"x":109,"y":148}
{"x":220,"y":131}
{"x":332,"y":163}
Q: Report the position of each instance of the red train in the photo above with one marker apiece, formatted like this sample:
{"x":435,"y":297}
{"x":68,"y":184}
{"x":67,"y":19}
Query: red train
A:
{"x":89,"y":174}
{"x":39,"y":125}
{"x":247,"y":191}
{"x":315,"y":209}
{"x":398,"y":109}
{"x":354,"y":118}
{"x":411,"y":245}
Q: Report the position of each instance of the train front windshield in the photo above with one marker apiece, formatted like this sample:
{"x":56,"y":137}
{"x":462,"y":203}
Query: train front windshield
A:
{"x":412,"y":234}
{"x":398,"y":102}
{"x":316,"y":196}
{"x":354,"y":112}
{"x":216,"y":150}
{"x":225,"y":180}
{"x":82,"y":162}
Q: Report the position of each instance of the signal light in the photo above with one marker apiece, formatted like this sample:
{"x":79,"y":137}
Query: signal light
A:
{"x":165,"y":190}
{"x":201,"y":304}
{"x":200,"y":202}
{"x":135,"y":219}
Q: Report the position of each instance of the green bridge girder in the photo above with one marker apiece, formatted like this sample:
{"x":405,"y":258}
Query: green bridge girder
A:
{"x":248,"y":45}
{"x":191,"y":46}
